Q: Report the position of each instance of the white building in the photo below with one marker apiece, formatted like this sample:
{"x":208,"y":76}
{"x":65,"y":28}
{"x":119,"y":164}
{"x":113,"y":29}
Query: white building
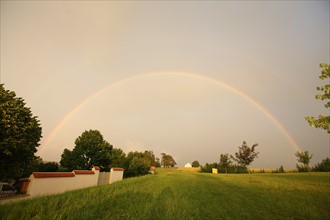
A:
{"x":188,"y":165}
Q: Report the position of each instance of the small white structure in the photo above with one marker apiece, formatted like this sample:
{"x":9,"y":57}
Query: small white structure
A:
{"x":188,"y":165}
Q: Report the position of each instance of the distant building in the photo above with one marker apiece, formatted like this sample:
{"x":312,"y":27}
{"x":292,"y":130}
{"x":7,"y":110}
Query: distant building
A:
{"x":188,"y":165}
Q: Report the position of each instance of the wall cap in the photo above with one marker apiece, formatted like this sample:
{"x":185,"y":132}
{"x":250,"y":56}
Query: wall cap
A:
{"x":78,"y":172}
{"x":117,"y":169}
{"x":52,"y":174}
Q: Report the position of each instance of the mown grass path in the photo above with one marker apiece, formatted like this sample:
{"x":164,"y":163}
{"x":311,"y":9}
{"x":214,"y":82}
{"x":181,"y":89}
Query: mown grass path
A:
{"x":188,"y":195}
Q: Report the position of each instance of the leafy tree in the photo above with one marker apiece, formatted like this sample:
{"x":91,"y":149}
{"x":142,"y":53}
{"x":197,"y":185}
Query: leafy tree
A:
{"x":324,"y":166}
{"x":225,"y":161}
{"x":157,"y":162}
{"x":20,"y":133}
{"x":304,"y":158}
{"x":47,"y":167}
{"x":195,"y":164}
{"x":322,"y":121}
{"x":90,"y":150}
{"x":151,"y":157}
{"x":167,"y":160}
{"x":245,"y":155}
{"x":117,"y":158}
{"x":139,"y":166}
{"x":136,"y":164}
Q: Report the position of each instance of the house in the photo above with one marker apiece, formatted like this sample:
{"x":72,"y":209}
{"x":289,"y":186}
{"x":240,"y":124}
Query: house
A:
{"x":188,"y":165}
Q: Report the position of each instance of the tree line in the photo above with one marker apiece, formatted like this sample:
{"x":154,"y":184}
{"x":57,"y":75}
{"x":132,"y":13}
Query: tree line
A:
{"x":245,"y":156}
{"x":92,"y":150}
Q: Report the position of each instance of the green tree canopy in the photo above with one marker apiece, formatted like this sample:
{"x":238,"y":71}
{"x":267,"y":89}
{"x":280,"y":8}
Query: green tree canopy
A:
{"x":167,"y":160}
{"x":304,"y":158}
{"x":324,"y":166}
{"x":137,"y":164}
{"x":117,"y":157}
{"x":322,"y":121}
{"x":225,"y":161}
{"x":90,"y":150}
{"x":151,"y":157}
{"x":195,"y":163}
{"x":20,"y":133}
{"x":245,"y":155}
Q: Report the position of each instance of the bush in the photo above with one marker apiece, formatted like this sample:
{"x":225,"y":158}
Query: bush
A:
{"x":324,"y":166}
{"x":231,"y":168}
{"x":209,"y":166}
{"x":302,"y":168}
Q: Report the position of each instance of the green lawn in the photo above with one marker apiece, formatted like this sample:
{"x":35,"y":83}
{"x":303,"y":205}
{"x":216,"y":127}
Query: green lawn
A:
{"x":188,"y":195}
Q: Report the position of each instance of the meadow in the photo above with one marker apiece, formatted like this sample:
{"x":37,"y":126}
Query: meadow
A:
{"x":172,"y":194}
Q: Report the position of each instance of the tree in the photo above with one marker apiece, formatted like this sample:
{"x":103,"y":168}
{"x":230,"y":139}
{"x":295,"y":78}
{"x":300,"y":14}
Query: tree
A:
{"x":42,"y":166}
{"x":157,"y":162}
{"x":117,"y":158}
{"x":207,"y":168}
{"x":245,"y":155}
{"x":304,"y":158}
{"x":195,"y":164}
{"x":167,"y":160}
{"x":225,"y":161}
{"x":136,"y":164}
{"x":139,"y":166}
{"x":322,"y":121}
{"x":20,"y":133}
{"x":90,"y":150}
{"x":151,"y":157}
{"x":324,"y":166}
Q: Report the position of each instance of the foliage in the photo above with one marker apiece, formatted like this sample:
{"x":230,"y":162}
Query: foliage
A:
{"x":167,"y":160}
{"x":207,"y":168}
{"x":232,"y":168}
{"x":157,"y":164}
{"x":279,"y":170}
{"x":136,"y":164}
{"x":20,"y":133}
{"x":41,"y":166}
{"x":304,"y":158}
{"x":245,"y":155}
{"x":322,"y":121}
{"x":225,"y":161}
{"x":139,"y":166}
{"x":90,"y":150}
{"x":117,"y":158}
{"x":186,"y":195}
{"x":324,"y":166}
{"x":195,"y":164}
{"x":151,"y":157}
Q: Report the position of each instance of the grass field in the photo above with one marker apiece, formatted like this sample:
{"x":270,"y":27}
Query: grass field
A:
{"x":188,"y":195}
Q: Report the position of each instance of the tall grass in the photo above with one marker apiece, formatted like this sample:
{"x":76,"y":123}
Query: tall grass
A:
{"x":187,"y":195}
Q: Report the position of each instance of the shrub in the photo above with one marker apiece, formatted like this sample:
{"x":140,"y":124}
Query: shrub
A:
{"x":324,"y":166}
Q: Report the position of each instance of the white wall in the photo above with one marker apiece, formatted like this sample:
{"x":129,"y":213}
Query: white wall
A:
{"x":42,"y":183}
{"x":116,"y":174}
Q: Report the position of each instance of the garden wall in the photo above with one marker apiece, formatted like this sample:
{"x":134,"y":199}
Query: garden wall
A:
{"x":42,"y":183}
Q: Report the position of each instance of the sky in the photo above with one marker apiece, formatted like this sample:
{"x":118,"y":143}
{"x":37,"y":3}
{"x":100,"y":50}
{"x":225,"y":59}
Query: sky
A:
{"x":192,"y":79}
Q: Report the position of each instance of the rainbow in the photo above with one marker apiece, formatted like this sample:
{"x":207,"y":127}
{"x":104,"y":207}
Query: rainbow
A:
{"x":255,"y":103}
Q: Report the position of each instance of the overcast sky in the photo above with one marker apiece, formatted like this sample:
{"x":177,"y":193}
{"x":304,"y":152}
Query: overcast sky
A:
{"x":191,"y":79}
